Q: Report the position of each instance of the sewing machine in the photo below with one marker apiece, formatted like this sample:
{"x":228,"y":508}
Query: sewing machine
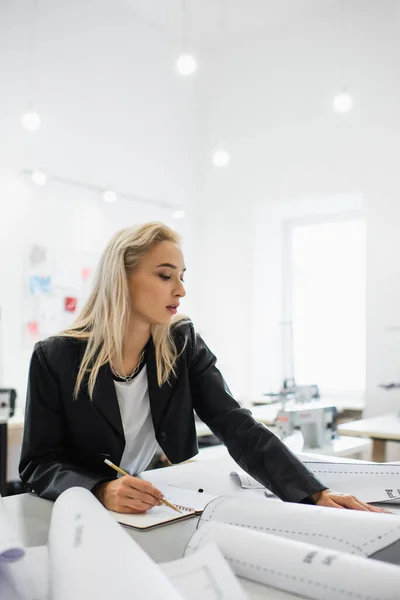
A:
{"x":317,"y":423}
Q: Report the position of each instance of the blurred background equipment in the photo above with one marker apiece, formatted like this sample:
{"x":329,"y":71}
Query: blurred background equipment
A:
{"x":317,"y":423}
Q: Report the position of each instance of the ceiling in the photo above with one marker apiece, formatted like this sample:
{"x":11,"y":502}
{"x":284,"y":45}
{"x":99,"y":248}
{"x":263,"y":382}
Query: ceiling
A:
{"x":208,"y":21}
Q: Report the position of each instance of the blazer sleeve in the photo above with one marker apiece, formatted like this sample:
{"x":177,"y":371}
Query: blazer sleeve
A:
{"x":44,"y":466}
{"x":256,"y":449}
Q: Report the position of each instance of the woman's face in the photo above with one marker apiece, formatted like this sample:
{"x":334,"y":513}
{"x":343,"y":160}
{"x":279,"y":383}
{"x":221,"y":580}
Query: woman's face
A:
{"x":156,"y":286}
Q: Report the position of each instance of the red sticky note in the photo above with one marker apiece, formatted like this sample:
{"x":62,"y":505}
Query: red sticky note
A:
{"x":70,"y":304}
{"x":85,"y":273}
{"x":32,"y":327}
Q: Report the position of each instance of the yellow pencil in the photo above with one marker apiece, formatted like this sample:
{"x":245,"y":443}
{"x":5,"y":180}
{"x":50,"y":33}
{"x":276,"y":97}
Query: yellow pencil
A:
{"x":163,"y":500}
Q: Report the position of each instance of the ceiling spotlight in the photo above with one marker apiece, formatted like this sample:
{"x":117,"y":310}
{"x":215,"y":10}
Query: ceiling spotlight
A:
{"x":39,"y":178}
{"x":220,"y":158}
{"x":178,"y":214}
{"x":109,"y":196}
{"x":186,"y":65}
{"x":31,"y":121}
{"x":343,"y":102}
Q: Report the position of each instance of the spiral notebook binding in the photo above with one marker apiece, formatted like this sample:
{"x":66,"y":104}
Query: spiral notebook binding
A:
{"x":184,"y":508}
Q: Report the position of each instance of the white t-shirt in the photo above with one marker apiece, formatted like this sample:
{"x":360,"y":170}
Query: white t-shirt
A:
{"x":140,"y":439}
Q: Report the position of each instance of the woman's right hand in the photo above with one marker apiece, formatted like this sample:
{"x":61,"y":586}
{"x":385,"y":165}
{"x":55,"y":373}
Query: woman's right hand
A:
{"x":128,"y":494}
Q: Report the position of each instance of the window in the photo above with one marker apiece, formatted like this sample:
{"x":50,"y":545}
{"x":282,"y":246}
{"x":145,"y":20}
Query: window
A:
{"x":325,"y":298}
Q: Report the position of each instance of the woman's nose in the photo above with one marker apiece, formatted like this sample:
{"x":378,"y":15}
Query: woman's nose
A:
{"x":181,"y":292}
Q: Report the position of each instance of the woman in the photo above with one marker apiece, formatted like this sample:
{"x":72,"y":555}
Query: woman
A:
{"x":127,"y":376}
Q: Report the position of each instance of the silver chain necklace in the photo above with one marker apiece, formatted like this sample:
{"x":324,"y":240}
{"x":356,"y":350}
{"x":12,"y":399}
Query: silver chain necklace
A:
{"x":128,"y":378}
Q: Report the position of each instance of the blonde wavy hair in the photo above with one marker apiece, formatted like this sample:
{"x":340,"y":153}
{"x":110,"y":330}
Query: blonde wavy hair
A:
{"x":106,"y":314}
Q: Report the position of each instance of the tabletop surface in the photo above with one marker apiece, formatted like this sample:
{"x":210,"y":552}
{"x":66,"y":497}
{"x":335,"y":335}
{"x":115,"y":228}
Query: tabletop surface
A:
{"x":31,"y":515}
{"x":386,"y":427}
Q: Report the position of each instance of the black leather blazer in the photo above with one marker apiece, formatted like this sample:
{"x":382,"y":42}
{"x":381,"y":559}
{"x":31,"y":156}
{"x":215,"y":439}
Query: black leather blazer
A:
{"x":66,"y":440}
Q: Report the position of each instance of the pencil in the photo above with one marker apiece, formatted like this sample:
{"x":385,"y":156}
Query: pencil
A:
{"x":163,"y":500}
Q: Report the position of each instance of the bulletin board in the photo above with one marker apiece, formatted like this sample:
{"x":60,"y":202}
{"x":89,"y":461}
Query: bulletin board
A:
{"x":57,"y":283}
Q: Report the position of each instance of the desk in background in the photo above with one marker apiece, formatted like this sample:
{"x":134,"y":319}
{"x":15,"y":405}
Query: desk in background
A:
{"x":385,"y":428}
{"x":342,"y":447}
{"x":11,"y":432}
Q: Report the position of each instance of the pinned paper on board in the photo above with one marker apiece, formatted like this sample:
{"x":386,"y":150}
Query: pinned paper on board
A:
{"x":86,"y":272}
{"x":56,"y":286}
{"x":70,"y":304}
{"x":32,"y":328}
{"x":40,"y":284}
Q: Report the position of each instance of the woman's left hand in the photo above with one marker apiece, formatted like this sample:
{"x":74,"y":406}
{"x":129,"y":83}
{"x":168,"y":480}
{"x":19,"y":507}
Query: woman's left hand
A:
{"x":336,"y":500}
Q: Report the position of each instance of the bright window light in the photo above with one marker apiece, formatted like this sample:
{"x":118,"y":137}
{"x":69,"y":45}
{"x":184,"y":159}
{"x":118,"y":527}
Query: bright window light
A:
{"x":328,"y":301}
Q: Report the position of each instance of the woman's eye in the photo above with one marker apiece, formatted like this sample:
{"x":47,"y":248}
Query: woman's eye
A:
{"x":164,"y":277}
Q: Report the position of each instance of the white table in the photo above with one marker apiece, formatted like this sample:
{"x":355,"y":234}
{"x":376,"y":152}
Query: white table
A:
{"x":381,"y":429}
{"x":342,"y":404}
{"x":31,"y":515}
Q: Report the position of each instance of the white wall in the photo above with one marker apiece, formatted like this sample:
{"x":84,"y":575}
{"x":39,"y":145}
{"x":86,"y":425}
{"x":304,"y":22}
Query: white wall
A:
{"x":113,"y":114}
{"x":268,"y":101}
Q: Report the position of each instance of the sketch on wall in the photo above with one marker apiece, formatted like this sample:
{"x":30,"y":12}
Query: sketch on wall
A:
{"x":56,"y":285}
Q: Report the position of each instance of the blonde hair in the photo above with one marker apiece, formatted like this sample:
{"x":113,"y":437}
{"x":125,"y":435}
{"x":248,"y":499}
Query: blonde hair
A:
{"x":104,"y":317}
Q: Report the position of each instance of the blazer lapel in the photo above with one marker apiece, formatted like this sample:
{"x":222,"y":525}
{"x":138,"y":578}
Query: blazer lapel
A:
{"x":159,"y":396}
{"x":105,"y":398}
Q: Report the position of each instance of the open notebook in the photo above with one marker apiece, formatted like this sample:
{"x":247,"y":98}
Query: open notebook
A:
{"x":189,"y":502}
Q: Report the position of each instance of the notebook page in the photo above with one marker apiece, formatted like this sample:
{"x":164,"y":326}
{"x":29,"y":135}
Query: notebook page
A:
{"x":10,"y":546}
{"x":377,"y":482}
{"x":204,"y":575}
{"x":187,"y":499}
{"x":357,"y":532}
{"x":297,"y":567}
{"x":246,"y":481}
{"x":90,"y":556}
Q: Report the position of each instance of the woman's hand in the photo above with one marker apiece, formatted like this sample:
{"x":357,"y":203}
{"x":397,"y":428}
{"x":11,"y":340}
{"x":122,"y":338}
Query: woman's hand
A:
{"x":336,"y":500}
{"x":128,"y":495}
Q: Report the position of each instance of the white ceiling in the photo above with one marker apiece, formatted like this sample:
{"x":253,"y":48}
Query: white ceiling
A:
{"x":211,"y":20}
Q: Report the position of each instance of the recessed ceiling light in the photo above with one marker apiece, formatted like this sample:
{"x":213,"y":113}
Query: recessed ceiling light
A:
{"x":343,"y":102}
{"x":186,"y":65}
{"x":220,"y":158}
{"x":31,"y":121}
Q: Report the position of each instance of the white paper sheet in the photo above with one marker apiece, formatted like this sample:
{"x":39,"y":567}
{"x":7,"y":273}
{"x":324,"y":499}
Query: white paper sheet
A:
{"x":379,"y":482}
{"x":360,"y":533}
{"x":300,"y":568}
{"x":27,"y":578}
{"x":10,"y":546}
{"x":91,"y":556}
{"x":246,"y":481}
{"x":196,"y":501}
{"x":204,"y":576}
